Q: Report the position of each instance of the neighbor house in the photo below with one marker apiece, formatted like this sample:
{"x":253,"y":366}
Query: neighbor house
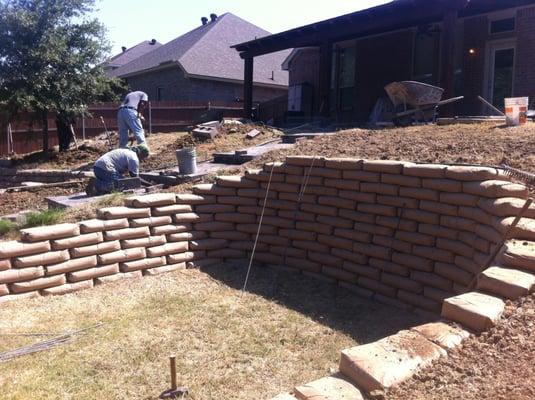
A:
{"x":129,"y":54}
{"x":339,"y":67}
{"x":200,"y":66}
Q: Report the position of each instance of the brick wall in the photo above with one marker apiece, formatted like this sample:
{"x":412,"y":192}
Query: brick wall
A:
{"x":305,"y":68}
{"x":395,"y":231}
{"x":177,"y":87}
{"x":525,"y":58}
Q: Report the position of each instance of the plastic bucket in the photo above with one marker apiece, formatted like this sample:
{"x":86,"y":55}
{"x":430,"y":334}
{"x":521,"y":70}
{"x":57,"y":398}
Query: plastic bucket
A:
{"x":187,"y":161}
{"x":516,"y":110}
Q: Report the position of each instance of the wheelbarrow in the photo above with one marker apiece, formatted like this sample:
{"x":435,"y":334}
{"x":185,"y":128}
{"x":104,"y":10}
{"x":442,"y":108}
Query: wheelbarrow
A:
{"x":415,"y":101}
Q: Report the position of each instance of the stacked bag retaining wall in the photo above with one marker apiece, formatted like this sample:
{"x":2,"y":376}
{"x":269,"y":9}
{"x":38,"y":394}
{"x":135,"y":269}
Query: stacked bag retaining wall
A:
{"x":403,"y":233}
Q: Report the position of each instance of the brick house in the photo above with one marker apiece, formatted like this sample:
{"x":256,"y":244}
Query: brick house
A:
{"x":339,"y":67}
{"x":200,"y":66}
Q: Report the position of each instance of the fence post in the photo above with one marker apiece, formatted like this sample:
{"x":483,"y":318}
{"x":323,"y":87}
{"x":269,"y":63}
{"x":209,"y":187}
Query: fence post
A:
{"x":83,"y":127}
{"x":10,"y":149}
{"x":150,"y":118}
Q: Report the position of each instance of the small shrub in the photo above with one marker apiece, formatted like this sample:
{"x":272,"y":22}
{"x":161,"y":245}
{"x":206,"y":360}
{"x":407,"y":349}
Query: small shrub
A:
{"x":47,"y":217}
{"x":6,"y":226}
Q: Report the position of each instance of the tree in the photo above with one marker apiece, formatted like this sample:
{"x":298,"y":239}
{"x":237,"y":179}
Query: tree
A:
{"x":50,"y":56}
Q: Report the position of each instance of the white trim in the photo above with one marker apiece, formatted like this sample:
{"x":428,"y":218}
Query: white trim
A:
{"x":490,"y":51}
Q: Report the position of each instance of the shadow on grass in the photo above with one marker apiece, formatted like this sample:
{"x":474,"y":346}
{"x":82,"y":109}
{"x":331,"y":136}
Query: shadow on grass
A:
{"x":362,"y":319}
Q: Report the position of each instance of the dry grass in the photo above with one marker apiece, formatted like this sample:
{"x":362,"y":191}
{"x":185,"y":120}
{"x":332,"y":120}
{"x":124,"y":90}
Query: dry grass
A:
{"x":227,"y":346}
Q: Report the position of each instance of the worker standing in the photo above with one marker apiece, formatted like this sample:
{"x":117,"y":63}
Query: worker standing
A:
{"x":129,"y":117}
{"x":112,"y":166}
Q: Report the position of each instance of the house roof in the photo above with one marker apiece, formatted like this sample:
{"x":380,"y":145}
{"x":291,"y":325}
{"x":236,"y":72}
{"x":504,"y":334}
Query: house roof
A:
{"x":205,"y":52}
{"x":132,"y":53}
{"x":398,"y":14}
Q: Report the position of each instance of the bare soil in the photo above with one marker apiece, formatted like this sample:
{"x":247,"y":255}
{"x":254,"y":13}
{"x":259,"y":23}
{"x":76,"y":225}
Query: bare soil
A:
{"x":498,"y":365}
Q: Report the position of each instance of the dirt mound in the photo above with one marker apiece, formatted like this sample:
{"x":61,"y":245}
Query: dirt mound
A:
{"x":60,"y":160}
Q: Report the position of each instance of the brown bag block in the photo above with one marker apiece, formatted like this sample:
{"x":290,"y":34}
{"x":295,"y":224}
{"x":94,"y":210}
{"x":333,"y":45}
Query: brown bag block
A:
{"x":92,"y":273}
{"x":168,"y":248}
{"x":442,"y":185}
{"x":337,"y":202}
{"x":297,"y":235}
{"x":226,"y":253}
{"x":359,"y":197}
{"x":187,"y":198}
{"x":229,"y":235}
{"x":171,"y":210}
{"x":310,"y":245}
{"x":268,"y":258}
{"x":412,"y":261}
{"x":186,"y":218}
{"x":185,"y":236}
{"x":415,"y":238}
{"x":5,"y":265}
{"x":345,"y":184}
{"x":459,"y":199}
{"x":215,"y":208}
{"x":298,"y":198}
{"x":236,"y":181}
{"x":425,"y":170}
{"x":379,"y":188}
{"x":376,"y":286}
{"x":325,"y":172}
{"x":438,"y":208}
{"x":150,"y":200}
{"x":279,"y":204}
{"x":361,"y":292}
{"x":377,"y":209}
{"x":525,"y":230}
{"x":372,"y":250}
{"x":466,"y":173}
{"x":320,"y":190}
{"x":121,"y":256}
{"x":363,"y":176}
{"x":23,"y":274}
{"x":506,"y":207}
{"x":49,"y":232}
{"x":181,"y":257}
{"x":214,"y":226}
{"x":320,"y":209}
{"x":389,"y":242}
{"x":421,"y":216}
{"x":263,"y":176}
{"x":288,"y":251}
{"x":458,"y":223}
{"x":253,"y":228}
{"x":77,"y":241}
{"x":237,"y":200}
{"x":256,"y":210}
{"x":213,"y":189}
{"x":100,"y":248}
{"x":475,"y":310}
{"x":335,"y":221}
{"x":14,"y":248}
{"x":325,"y":259}
{"x":433,"y":253}
{"x":99,"y":225}
{"x":339,"y":274}
{"x":150,"y":221}
{"x":431,"y":279}
{"x":386,"y":166}
{"x":389,"y":267}
{"x":282,"y":187}
{"x":257,"y":193}
{"x":170,"y":229}
{"x":467,"y":264}
{"x":419,"y":301}
{"x":275,"y":240}
{"x":127,"y":233}
{"x":456,"y":247}
{"x":361,"y":270}
{"x":117,"y":277}
{"x":52,"y":257}
{"x":396,"y":201}
{"x":401,"y":180}
{"x":474,"y":241}
{"x":4,"y":291}
{"x":438,"y":231}
{"x":277,"y":222}
{"x":335,"y":242}
{"x":208,"y":244}
{"x":248,"y":246}
{"x":400,"y":282}
{"x":282,"y":168}
{"x":437,"y":295}
{"x":67,"y":288}
{"x":345,"y":164}
{"x":164,"y":270}
{"x":305,"y":161}
{"x":236,"y":218}
{"x":143,"y":242}
{"x":353,"y":234}
{"x":303,"y":264}
{"x":397,"y":223}
{"x":300,"y":180}
{"x":75,"y":264}
{"x":123,"y":212}
{"x":349,"y":255}
{"x":206,"y":262}
{"x":496,"y":188}
{"x":358,"y":216}
{"x":297,"y":215}
{"x":488,"y":233}
{"x":36,"y":284}
{"x":373,"y":229}
{"x":144,"y":263}
{"x":419,"y":193}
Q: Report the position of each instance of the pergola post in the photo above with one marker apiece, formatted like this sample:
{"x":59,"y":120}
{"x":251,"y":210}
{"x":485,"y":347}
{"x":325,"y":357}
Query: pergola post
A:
{"x":447,"y":78}
{"x":248,"y":87}
{"x":325,"y":78}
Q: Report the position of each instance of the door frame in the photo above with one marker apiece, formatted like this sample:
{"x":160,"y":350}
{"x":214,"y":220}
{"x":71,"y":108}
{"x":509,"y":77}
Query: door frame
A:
{"x":490,"y":58}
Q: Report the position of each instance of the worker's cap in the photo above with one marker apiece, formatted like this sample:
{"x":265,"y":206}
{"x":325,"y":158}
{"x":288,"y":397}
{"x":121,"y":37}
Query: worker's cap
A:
{"x":142,"y":150}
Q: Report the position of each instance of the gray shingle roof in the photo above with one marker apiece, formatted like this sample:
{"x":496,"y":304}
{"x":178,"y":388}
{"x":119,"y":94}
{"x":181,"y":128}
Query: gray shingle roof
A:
{"x":205,"y":52}
{"x":132,"y":53}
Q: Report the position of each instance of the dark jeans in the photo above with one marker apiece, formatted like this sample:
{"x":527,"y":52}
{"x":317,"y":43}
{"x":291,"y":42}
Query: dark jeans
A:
{"x":106,"y":180}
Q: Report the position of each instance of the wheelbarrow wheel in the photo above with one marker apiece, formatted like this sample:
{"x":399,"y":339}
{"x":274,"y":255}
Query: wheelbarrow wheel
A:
{"x":402,"y":122}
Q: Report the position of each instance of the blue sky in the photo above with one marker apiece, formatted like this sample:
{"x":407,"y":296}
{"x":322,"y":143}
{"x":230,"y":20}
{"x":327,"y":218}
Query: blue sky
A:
{"x":132,"y":21}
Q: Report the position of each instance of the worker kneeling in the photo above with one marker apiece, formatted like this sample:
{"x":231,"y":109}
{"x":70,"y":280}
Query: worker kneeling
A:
{"x":112,"y":166}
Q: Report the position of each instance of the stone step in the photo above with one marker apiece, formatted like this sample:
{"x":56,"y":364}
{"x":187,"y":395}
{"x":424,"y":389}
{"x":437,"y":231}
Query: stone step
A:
{"x":476,"y":311}
{"x":389,"y":361}
{"x":519,"y":254}
{"x":334,"y":387}
{"x":443,"y":334}
{"x":506,"y":282}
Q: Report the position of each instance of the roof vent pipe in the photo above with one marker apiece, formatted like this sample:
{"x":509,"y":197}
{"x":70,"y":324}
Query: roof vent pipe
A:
{"x":204,"y":20}
{"x":213,"y":17}
{"x":123,"y":49}
{"x":153,"y":41}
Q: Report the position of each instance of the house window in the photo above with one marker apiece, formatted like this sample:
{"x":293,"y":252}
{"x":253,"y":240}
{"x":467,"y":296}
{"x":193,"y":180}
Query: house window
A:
{"x":502,"y":25}
{"x":159,"y":94}
{"x":426,"y":47}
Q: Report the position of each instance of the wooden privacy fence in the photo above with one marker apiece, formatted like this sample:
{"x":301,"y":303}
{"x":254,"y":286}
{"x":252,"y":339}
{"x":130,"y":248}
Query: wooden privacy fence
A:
{"x":160,"y":116}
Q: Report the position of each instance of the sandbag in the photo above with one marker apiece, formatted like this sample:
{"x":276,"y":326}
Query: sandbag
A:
{"x":91,"y":273}
{"x":52,"y":257}
{"x":36,"y":284}
{"x":23,"y":274}
{"x":105,"y":247}
{"x":99,"y":225}
{"x":143,"y":242}
{"x":49,"y":232}
{"x":145,"y":263}
{"x":14,"y":248}
{"x":67,"y":288}
{"x":122,"y":212}
{"x":151,"y":200}
{"x":121,"y":256}
{"x":77,"y":241}
{"x":168,"y":248}
{"x":127,"y":233}
{"x":74,"y":264}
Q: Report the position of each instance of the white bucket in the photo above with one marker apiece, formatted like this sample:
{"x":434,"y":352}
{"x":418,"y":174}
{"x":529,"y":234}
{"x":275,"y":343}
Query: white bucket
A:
{"x":187,"y":161}
{"x":516,"y":110}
